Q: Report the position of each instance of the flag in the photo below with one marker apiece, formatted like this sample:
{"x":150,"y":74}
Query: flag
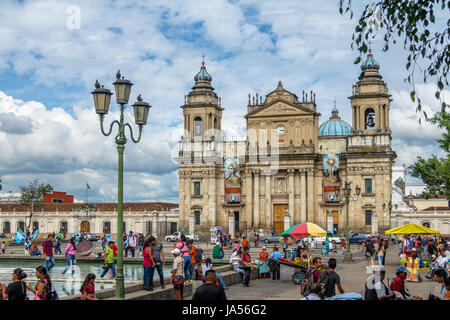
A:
{"x":17,"y":239}
{"x":108,"y":238}
{"x":35,"y":233}
{"x":87,"y":185}
{"x":21,"y":235}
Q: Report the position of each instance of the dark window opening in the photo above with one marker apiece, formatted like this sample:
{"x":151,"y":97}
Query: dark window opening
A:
{"x":368,"y":185}
{"x":368,"y":217}
{"x":196,"y":188}
{"x":197,"y":217}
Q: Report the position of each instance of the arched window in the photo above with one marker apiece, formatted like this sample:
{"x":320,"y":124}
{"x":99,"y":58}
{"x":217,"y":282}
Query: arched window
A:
{"x":426,"y":224}
{"x":197,"y":126}
{"x":369,"y":118}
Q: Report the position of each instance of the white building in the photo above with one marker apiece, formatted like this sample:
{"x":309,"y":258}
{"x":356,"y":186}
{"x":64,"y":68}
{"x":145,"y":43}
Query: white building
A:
{"x":409,"y":206}
{"x":156,"y":218}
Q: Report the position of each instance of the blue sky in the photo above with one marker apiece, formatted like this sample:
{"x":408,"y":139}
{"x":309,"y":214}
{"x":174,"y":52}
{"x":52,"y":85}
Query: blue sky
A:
{"x":48,"y":67}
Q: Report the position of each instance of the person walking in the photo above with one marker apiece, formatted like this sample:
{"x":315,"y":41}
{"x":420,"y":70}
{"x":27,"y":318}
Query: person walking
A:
{"x":246,"y":262}
{"x":88,"y":288}
{"x":109,"y":261}
{"x":103,"y":242}
{"x":17,"y":290}
{"x":380,"y":253}
{"x":343,"y":244}
{"x":3,"y":247}
{"x":43,"y":286}
{"x":176,"y":278}
{"x":210,"y":291}
{"x":148,"y":265}
{"x":48,"y":252}
{"x":58,"y":246}
{"x":140,"y":243}
{"x":70,"y":254}
{"x":184,"y":254}
{"x":158,"y":257}
{"x":275,"y":255}
{"x":329,"y":279}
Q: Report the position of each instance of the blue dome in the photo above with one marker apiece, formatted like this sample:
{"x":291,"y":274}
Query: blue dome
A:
{"x":335,"y":126}
{"x":203,"y":74}
{"x":370,"y":62}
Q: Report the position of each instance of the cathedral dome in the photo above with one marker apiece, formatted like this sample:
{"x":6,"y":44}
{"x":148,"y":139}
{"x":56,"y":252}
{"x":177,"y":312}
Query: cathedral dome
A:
{"x":335,"y":126}
{"x":370,"y":62}
{"x":203,"y":75}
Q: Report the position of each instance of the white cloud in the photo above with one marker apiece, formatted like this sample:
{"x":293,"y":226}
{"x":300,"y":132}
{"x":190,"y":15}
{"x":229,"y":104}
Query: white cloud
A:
{"x":249,"y":46}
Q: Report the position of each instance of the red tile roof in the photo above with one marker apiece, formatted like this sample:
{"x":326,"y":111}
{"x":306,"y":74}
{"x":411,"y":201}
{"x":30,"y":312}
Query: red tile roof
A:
{"x":68,"y":207}
{"x":437,"y":209}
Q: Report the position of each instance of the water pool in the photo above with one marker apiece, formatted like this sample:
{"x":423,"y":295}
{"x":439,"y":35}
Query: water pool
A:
{"x":68,"y":285}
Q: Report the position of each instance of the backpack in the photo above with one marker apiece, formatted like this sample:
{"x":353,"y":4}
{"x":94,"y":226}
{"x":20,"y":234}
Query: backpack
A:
{"x":307,"y":281}
{"x":370,"y":248}
{"x":49,"y":293}
{"x":198,"y":255}
{"x":325,"y":285}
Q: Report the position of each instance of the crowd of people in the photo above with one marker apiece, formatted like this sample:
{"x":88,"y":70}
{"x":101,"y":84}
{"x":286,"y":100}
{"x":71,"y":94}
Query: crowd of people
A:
{"x":190,"y":263}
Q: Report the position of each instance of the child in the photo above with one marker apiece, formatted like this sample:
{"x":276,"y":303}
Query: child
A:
{"x":324,"y":249}
{"x":88,"y":288}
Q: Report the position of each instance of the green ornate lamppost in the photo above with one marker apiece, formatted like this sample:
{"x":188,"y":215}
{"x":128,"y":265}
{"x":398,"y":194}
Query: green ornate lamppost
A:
{"x":102,"y":98}
{"x":348,"y":197}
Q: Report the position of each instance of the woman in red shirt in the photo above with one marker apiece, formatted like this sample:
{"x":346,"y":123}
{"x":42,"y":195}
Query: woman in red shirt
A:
{"x":148,"y":262}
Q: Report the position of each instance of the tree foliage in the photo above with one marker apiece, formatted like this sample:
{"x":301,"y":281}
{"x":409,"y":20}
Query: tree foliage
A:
{"x":415,"y":21}
{"x":435,"y":173}
{"x":32,"y":194}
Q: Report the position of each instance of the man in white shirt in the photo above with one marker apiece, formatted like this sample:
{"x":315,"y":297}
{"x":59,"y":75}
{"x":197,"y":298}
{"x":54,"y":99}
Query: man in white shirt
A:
{"x":442,"y":260}
{"x":131,"y":240}
{"x":236,"y":263}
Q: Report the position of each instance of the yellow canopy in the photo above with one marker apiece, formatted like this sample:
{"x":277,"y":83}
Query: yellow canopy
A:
{"x":412,"y":228}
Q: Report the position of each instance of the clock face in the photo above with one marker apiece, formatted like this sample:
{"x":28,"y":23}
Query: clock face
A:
{"x":281,"y":130}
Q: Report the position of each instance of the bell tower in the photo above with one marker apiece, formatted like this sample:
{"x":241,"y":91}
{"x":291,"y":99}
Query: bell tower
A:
{"x":370,"y":100}
{"x":202,"y":108}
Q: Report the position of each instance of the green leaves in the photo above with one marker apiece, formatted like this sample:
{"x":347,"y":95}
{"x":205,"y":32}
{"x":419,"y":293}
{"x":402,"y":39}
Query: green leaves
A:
{"x":413,"y":96}
{"x":358,"y":60}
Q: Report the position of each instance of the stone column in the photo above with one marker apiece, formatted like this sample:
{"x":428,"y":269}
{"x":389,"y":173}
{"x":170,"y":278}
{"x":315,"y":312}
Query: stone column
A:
{"x":155,"y":226}
{"x":310,"y":195}
{"x":188,"y":203}
{"x":287,"y":221}
{"x":231,"y":222}
{"x":330,"y":222}
{"x":291,"y":194}
{"x":192,"y":223}
{"x":212,"y":198}
{"x":256,"y":219}
{"x":268,"y":220}
{"x":374,"y":224}
{"x":249,"y":198}
{"x":302,"y":196}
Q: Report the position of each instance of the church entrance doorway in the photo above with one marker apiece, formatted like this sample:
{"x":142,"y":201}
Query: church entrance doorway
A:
{"x":236,"y":221}
{"x":278,"y":217}
{"x":335,"y":222}
{"x":85,"y":226}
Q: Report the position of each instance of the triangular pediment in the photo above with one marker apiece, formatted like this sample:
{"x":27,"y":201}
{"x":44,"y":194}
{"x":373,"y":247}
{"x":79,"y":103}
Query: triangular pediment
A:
{"x":279,"y":107}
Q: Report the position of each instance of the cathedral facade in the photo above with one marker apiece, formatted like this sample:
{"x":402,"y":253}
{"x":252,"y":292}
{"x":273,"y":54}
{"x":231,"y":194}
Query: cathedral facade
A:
{"x":291,"y":168}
